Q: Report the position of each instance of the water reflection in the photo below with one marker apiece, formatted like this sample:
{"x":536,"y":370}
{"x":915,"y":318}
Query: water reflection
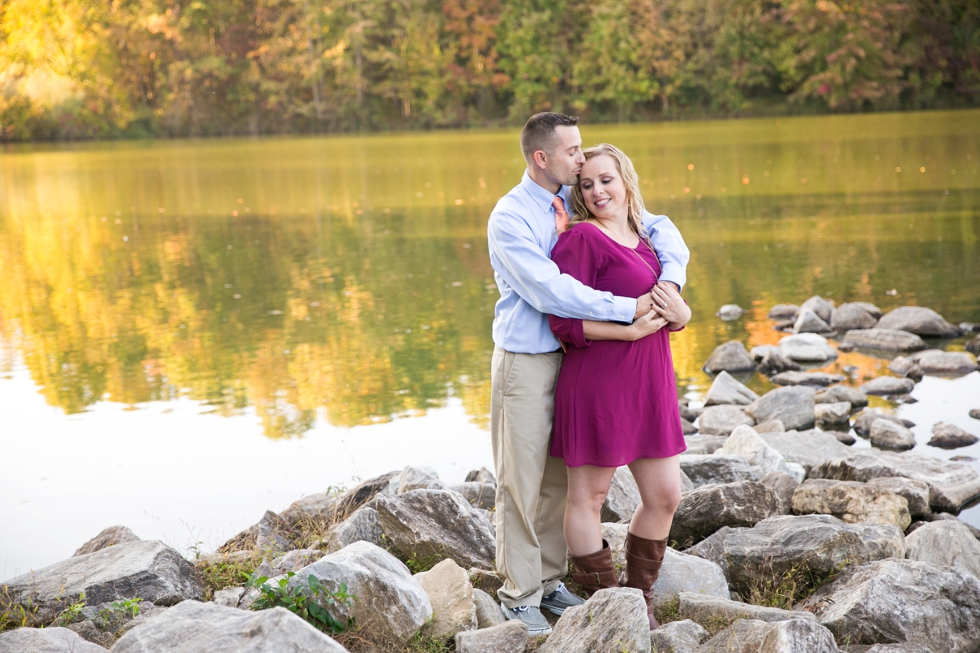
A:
{"x":349,"y":276}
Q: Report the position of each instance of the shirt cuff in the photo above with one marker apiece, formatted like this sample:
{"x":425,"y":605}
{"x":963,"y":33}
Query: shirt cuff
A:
{"x":624,"y":309}
{"x":578,"y":335}
{"x":675,"y":273}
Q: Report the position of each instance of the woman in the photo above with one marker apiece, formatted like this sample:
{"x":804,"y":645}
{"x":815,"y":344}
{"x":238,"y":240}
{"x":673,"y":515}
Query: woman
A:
{"x":616,"y":402}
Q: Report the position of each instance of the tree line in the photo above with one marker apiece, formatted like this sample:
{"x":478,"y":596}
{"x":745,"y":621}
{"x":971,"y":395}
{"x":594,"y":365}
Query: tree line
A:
{"x":130,"y":68}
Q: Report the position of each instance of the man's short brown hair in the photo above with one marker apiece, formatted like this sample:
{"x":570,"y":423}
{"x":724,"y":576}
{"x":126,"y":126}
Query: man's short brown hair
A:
{"x":539,"y":132}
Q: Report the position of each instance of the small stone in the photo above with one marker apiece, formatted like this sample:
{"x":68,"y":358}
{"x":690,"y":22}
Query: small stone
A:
{"x":451,"y":595}
{"x":623,"y":497}
{"x":612,"y":620}
{"x":789,"y":636}
{"x":855,"y":315}
{"x":851,"y":502}
{"x":689,"y":413}
{"x":362,"y":526}
{"x":793,"y":406}
{"x":889,"y":435}
{"x":888,"y":385}
{"x":770,"y":426}
{"x":108,"y":537}
{"x":508,"y":637}
{"x":722,"y":420}
{"x":745,"y":442}
{"x":774,"y":363}
{"x":836,"y":413}
{"x":704,"y":510}
{"x":759,"y":351}
{"x":962,"y":459}
{"x":844,"y":437}
{"x":687,"y":428}
{"x":708,"y":469}
{"x":862,"y":425}
{"x":488,"y":581}
{"x":478,"y":494}
{"x":884,"y":339}
{"x":229,"y":597}
{"x":487,"y":611}
{"x":975,"y":413}
{"x":920,"y":321}
{"x":730,"y":312}
{"x":709,"y":443}
{"x":973,"y":346}
{"x":783,"y":311}
{"x":482,"y":475}
{"x":950,"y":436}
{"x":840,"y":393}
{"x":416,"y":478}
{"x":683,"y":636}
{"x":808,"y":322}
{"x":945,"y":363}
{"x":916,"y":493}
{"x":725,"y":389}
{"x":806,"y":347}
{"x":970,"y":326}
{"x":824,"y":308}
{"x":808,"y":448}
{"x":731,"y":357}
{"x":905,"y":367}
{"x":784,"y":485}
{"x":813,"y":379}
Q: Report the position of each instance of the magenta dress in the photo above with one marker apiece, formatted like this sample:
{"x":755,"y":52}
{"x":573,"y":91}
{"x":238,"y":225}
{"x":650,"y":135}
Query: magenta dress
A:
{"x":615,"y":401}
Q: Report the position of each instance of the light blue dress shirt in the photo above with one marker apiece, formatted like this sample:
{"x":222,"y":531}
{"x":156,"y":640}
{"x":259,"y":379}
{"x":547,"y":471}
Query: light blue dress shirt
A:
{"x":521,"y":235}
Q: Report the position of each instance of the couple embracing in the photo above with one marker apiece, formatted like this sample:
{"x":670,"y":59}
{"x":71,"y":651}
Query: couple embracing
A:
{"x":582,"y":377}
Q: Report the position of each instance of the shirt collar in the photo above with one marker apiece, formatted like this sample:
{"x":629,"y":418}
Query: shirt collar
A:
{"x":542,"y":197}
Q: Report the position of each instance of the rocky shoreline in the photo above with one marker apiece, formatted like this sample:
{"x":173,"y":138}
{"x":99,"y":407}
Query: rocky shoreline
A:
{"x":787,"y":538}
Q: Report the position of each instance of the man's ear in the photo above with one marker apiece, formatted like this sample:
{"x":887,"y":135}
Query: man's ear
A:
{"x":540,"y":159}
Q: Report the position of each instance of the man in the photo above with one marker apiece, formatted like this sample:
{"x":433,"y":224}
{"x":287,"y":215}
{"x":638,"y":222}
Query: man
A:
{"x":531,"y":486}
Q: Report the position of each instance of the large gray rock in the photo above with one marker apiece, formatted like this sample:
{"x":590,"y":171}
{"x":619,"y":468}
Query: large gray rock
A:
{"x":809,"y":322}
{"x":823,"y":308}
{"x":902,"y":601}
{"x":731,"y":357}
{"x":774,"y":363}
{"x":707,"y":469}
{"x":45,"y":640}
{"x":451,"y":595}
{"x":482,"y":475}
{"x":832,"y":413}
{"x":683,"y":636}
{"x":916,"y":493}
{"x":417,"y":478}
{"x":889,"y":435}
{"x":623,"y":497}
{"x":793,"y":406}
{"x":807,"y":448}
{"x":905,"y":367}
{"x":712,"y":548}
{"x":841,"y":393}
{"x":920,"y":321}
{"x":862,"y":425}
{"x":950,"y":484}
{"x":748,"y":444}
{"x":437,"y":524}
{"x":318,"y":511}
{"x":855,"y":315}
{"x":812,"y":379}
{"x":391,"y":605}
{"x":784,"y":485}
{"x":950,"y":436}
{"x":362,"y":526}
{"x":722,"y":420}
{"x":944,"y":363}
{"x":612,"y":620}
{"x":884,"y":339}
{"x":193,"y":627}
{"x":783,"y":311}
{"x":479,"y":495}
{"x":888,"y":385}
{"x":806,"y":347}
{"x":148,"y":569}
{"x":509,"y":637}
{"x":704,"y":510}
{"x":715,"y":613}
{"x":789,"y":636}
{"x":851,"y":502}
{"x":108,"y":537}
{"x":725,"y":389}
{"x":807,"y":548}
{"x":947,"y":543}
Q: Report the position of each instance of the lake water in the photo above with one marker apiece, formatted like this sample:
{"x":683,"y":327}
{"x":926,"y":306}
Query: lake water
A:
{"x":195,"y":331}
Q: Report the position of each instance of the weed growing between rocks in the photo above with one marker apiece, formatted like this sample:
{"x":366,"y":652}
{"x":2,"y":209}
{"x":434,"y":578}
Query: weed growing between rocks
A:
{"x":668,"y":611}
{"x":14,"y":615}
{"x":72,"y":613}
{"x":304,"y":602}
{"x":227,"y":571}
{"x":789,"y":588}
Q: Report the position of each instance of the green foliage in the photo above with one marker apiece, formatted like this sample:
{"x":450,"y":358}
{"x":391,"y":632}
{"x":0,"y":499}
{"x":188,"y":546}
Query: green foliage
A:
{"x":220,"y":573}
{"x":152,"y":67}
{"x":71,"y":614}
{"x":306,"y":602}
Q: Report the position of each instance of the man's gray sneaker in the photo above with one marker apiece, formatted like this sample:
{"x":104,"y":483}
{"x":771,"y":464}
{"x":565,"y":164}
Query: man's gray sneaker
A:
{"x":531,"y":616}
{"x":561,"y":598}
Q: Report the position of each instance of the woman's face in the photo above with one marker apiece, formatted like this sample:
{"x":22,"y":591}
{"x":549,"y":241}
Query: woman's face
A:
{"x":603,"y":189}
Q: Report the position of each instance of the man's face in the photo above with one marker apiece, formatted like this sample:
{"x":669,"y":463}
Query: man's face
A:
{"x":564,"y":165}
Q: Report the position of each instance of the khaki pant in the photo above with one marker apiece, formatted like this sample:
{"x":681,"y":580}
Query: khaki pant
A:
{"x":531,"y":485}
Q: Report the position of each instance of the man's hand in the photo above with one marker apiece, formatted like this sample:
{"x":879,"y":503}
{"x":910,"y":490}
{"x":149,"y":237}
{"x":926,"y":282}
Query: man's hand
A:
{"x":644,"y":304}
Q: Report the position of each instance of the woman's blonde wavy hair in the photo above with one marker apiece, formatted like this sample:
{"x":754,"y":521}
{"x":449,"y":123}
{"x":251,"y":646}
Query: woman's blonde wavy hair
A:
{"x":634,"y":201}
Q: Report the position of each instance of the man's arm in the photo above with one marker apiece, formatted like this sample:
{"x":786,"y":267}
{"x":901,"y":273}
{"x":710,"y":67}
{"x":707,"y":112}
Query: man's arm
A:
{"x":535,"y":277}
{"x":671,"y":250}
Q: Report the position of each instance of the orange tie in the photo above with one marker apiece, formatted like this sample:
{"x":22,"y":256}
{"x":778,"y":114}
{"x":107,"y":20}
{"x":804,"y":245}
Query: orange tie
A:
{"x":561,"y":218}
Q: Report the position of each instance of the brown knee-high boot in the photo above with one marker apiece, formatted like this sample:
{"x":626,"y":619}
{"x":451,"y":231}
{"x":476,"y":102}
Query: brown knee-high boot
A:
{"x":643,"y":561}
{"x":595,"y":571}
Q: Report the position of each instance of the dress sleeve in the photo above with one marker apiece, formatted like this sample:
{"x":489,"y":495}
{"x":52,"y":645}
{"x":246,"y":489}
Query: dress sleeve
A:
{"x":574,"y":256}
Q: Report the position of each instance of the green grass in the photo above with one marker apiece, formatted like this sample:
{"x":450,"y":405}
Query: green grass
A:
{"x":227,"y":571}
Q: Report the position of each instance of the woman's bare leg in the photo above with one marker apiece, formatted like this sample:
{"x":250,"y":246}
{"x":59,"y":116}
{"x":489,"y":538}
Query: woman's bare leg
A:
{"x":587,"y":490}
{"x":659,"y":482}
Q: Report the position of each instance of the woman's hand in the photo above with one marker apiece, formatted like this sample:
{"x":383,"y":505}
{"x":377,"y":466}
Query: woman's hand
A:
{"x":669,"y":305}
{"x":646,"y":325}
